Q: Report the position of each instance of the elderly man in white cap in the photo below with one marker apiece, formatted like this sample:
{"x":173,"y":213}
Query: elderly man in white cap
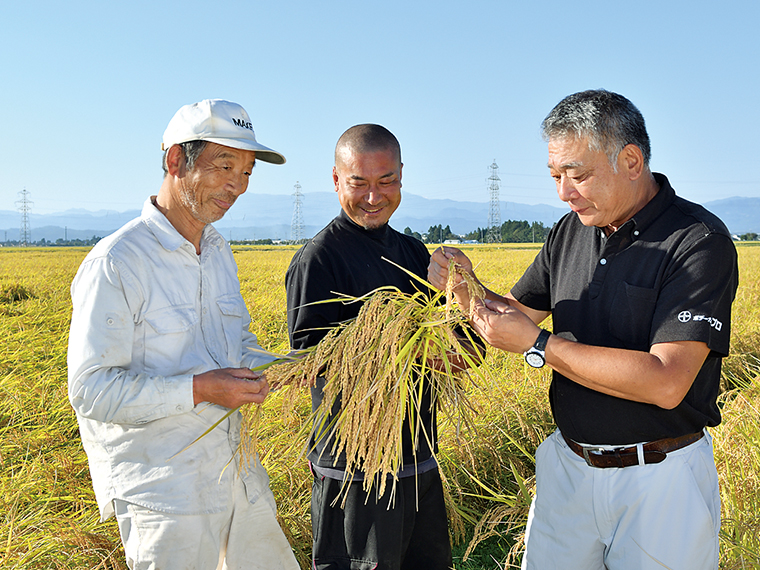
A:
{"x":159,"y":351}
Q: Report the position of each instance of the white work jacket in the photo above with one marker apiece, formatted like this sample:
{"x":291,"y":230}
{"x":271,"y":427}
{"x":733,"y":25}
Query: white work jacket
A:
{"x":148,"y":314}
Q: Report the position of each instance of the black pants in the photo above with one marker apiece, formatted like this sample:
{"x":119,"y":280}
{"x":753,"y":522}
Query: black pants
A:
{"x":412,"y":535}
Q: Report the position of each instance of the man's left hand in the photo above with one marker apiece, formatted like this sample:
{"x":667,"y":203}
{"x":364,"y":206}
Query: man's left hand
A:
{"x":230,"y":387}
{"x":503,"y":326}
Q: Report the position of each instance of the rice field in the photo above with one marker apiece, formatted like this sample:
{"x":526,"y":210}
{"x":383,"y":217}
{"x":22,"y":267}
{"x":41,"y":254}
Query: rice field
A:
{"x":48,"y":515}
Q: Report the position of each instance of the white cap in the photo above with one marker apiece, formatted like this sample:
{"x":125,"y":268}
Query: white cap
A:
{"x":217,"y":121}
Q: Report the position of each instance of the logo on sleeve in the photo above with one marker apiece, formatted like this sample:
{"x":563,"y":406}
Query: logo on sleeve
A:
{"x":686,"y":316}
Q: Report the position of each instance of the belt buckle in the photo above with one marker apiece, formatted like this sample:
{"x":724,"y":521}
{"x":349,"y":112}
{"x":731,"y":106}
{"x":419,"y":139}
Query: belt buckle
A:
{"x":587,"y":450}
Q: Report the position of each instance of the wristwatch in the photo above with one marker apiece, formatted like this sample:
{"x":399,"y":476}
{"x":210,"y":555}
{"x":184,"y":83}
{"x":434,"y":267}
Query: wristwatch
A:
{"x":536,"y":354}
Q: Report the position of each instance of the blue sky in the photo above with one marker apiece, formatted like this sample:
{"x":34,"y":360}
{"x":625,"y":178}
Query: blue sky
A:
{"x":88,"y":88}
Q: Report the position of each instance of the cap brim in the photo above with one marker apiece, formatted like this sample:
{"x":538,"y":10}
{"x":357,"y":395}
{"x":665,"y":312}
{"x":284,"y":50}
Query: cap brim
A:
{"x":262,"y":152}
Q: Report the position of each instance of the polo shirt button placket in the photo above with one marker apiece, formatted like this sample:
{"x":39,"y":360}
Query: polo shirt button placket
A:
{"x":597,"y":281}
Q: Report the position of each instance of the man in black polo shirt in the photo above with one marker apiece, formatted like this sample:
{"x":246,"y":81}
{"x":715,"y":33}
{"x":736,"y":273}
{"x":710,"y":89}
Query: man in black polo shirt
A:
{"x":409,"y":531}
{"x":639,"y":284}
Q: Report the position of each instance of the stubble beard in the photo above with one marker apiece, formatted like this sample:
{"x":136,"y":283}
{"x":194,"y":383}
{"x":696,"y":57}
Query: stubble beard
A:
{"x":373,"y":225}
{"x":207,"y":214}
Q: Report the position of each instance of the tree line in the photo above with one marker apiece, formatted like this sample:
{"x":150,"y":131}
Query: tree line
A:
{"x":60,"y":242}
{"x":510,"y":231}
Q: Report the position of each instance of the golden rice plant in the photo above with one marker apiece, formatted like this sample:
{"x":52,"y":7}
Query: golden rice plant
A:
{"x":49,"y":518}
{"x":376,"y":366}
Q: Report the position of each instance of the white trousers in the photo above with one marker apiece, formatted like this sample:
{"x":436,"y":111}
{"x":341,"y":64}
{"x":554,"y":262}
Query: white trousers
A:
{"x":658,"y":516}
{"x":246,"y":537}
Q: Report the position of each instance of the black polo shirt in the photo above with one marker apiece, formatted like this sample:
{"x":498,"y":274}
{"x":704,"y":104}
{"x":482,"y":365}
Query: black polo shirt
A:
{"x":668,"y":274}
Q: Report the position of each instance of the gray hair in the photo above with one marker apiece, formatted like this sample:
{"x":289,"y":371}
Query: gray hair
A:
{"x":607,"y":120}
{"x":366,"y":138}
{"x":191,"y":149}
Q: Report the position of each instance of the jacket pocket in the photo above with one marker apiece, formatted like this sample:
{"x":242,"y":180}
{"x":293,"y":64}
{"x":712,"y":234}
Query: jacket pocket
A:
{"x":168,"y":337}
{"x":233,"y":311}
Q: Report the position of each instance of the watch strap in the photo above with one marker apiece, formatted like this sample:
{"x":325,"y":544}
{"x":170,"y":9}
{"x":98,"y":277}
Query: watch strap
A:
{"x":542,"y":339}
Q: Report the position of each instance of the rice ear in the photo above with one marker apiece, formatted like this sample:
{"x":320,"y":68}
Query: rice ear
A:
{"x":377,"y":366}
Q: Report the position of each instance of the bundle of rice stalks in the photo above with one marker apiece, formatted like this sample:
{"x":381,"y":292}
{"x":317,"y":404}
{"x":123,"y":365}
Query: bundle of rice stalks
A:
{"x":15,"y":292}
{"x":375,"y":368}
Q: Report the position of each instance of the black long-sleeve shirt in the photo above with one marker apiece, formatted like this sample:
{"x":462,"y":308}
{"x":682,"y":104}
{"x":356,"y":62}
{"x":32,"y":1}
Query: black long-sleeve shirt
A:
{"x":346,"y":258}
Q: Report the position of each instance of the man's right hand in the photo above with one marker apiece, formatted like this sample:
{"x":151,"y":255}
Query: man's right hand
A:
{"x":438,"y":272}
{"x":438,"y":269}
{"x":230,"y":387}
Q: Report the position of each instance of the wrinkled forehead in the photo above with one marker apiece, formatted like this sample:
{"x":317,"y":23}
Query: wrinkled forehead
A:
{"x":218,"y":151}
{"x":569,"y":152}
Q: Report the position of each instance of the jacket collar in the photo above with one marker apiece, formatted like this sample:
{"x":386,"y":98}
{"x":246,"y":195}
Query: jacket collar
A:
{"x":167,"y":235}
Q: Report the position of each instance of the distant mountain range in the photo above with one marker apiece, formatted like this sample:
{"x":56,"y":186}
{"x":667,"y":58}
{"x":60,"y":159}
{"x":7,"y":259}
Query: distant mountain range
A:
{"x":261,"y":216}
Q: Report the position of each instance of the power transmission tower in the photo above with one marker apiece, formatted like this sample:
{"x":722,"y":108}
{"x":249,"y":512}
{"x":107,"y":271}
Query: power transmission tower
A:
{"x":24,"y":206}
{"x":494,"y":213}
{"x":296,"y":224}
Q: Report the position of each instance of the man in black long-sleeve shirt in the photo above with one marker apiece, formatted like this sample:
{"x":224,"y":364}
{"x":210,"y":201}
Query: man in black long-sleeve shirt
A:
{"x":409,"y":531}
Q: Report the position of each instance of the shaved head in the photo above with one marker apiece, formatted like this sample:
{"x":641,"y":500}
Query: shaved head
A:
{"x":367,"y":138}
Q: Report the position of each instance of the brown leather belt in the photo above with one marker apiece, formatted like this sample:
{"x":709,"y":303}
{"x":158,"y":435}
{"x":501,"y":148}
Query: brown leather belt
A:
{"x":653,"y":452}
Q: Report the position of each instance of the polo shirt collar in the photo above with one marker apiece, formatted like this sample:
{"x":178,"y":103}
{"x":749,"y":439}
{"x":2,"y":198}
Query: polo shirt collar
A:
{"x":657,"y":205}
{"x":645,"y":217}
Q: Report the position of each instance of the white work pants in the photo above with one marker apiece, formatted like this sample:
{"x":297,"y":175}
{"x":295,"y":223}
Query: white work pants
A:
{"x":246,"y":537}
{"x":656,"y":516}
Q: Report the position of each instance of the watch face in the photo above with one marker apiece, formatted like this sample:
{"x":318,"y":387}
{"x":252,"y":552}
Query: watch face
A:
{"x":535,"y":359}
